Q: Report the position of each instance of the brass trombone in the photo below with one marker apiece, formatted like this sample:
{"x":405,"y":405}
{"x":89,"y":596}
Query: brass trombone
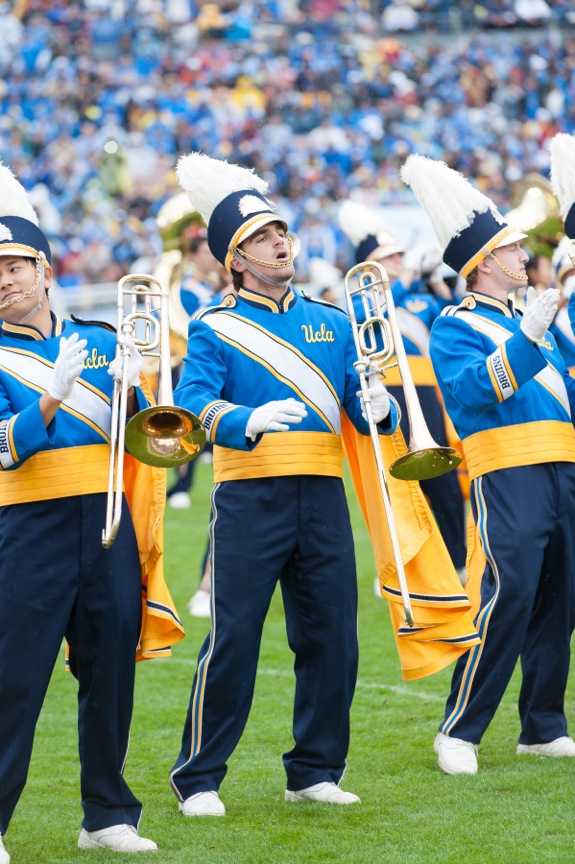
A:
{"x":162,"y":435}
{"x":424,"y":458}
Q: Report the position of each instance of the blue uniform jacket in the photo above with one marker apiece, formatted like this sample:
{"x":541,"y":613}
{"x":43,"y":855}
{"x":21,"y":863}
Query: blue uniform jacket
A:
{"x":562,"y":330}
{"x":252,"y":350}
{"x":416,"y":309}
{"x":511,"y":401}
{"x":71,"y":454}
{"x":195,"y":294}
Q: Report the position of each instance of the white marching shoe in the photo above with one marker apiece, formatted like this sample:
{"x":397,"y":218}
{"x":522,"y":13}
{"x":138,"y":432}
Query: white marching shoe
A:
{"x":564,"y":746}
{"x":324,"y":793}
{"x":203,"y":804}
{"x":118,"y":838}
{"x":456,"y":756}
{"x":4,"y":857}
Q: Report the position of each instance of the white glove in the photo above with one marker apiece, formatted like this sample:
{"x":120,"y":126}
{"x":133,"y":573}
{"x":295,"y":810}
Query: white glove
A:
{"x":135,"y":363}
{"x":379,"y":398}
{"x":422,"y":259}
{"x":275,"y":416}
{"x":69,"y":363}
{"x":540,"y":310}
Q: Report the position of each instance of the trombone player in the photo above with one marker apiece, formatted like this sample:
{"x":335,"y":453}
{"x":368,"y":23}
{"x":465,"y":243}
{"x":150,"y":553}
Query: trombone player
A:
{"x":56,"y":579}
{"x":512,"y":401}
{"x":268,"y":373}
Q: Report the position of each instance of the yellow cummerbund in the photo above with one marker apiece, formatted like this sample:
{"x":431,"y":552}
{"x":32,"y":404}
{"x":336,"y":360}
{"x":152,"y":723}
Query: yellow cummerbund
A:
{"x":281,"y":454}
{"x":512,"y":446}
{"x":57,"y":474}
{"x":421,"y":372}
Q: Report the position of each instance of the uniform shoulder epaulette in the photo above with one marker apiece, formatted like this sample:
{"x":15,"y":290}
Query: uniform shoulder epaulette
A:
{"x":228,"y":302}
{"x":103,"y":324}
{"x":323,"y":302}
{"x":466,"y":303}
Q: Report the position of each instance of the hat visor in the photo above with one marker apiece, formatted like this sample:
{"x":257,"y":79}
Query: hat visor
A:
{"x":513,"y":237}
{"x":248,"y":229}
{"x":387,"y":251}
{"x":255,"y":225}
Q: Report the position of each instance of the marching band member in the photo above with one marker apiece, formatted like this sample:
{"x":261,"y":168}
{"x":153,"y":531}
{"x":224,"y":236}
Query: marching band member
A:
{"x":268,"y":372}
{"x":417,"y":308}
{"x":511,"y":399}
{"x":56,"y":579}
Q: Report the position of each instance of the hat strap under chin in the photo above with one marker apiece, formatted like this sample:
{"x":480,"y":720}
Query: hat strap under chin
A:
{"x":519,"y":277}
{"x":249,"y":261}
{"x":38,"y":283}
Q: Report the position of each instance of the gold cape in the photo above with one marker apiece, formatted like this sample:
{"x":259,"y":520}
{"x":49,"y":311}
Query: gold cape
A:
{"x":443,"y":625}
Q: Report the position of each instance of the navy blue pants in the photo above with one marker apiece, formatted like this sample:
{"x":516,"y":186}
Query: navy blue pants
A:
{"x":444,"y":493}
{"x":526,"y":518}
{"x":57,"y":581}
{"x":295,"y":530}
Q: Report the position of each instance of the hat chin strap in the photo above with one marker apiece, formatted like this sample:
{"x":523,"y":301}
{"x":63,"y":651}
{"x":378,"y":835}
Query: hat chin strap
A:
{"x":518,"y":277}
{"x":38,"y":283}
{"x":249,"y":261}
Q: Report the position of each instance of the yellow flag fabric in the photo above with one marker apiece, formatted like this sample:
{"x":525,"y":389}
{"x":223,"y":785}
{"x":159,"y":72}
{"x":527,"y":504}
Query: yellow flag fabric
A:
{"x":145,"y":488}
{"x":443,"y":625}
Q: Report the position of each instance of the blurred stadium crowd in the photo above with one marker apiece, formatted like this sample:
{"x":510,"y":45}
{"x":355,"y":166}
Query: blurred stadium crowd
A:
{"x":324,"y":98}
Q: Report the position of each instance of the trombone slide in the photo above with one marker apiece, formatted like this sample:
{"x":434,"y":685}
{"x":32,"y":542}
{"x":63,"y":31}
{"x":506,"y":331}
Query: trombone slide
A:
{"x":162,"y":435}
{"x":368,"y":351}
{"x":362,"y":367}
{"x":117,"y":442}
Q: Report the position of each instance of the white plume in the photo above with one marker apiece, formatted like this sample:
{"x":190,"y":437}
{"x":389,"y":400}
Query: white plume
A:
{"x":562,"y":151}
{"x":13,"y":198}
{"x":358,"y":222}
{"x":449,"y":200}
{"x":323,"y":274}
{"x":208,"y":181}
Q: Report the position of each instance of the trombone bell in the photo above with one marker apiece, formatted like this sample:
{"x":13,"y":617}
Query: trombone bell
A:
{"x":164,"y":435}
{"x":425,"y":462}
{"x":425,"y":458}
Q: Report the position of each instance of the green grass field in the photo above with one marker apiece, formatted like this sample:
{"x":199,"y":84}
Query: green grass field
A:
{"x":516,"y":810}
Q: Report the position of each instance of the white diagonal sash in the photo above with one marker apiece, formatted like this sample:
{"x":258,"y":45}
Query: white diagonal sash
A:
{"x":548,"y":377}
{"x":267,"y":349}
{"x":37,"y":372}
{"x":413,"y":328}
{"x":563,"y":323}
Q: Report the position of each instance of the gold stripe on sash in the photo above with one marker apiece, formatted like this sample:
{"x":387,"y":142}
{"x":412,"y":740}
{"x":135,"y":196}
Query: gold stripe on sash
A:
{"x":282,"y":454}
{"x":524,"y":444}
{"x":57,"y":474}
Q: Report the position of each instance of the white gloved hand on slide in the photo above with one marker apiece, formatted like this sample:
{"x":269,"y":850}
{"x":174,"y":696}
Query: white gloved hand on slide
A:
{"x":275,"y":417}
{"x":378,"y":396}
{"x":68,"y":366}
{"x":135,"y":363}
